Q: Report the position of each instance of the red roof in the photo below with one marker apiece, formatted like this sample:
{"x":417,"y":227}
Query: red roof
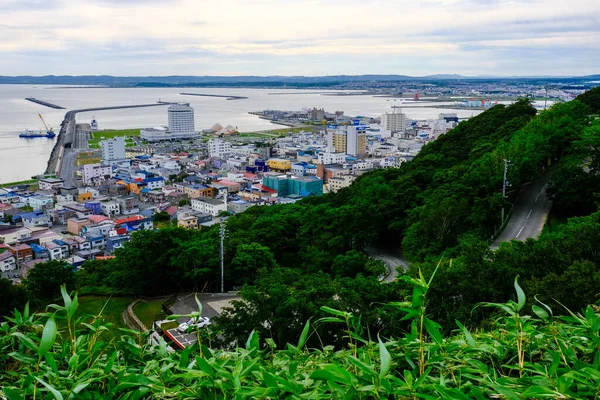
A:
{"x":129,"y":219}
{"x":264,"y":188}
{"x":96,"y":219}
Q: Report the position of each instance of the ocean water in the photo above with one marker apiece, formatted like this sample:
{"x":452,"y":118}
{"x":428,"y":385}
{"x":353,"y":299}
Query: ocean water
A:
{"x":22,"y":158}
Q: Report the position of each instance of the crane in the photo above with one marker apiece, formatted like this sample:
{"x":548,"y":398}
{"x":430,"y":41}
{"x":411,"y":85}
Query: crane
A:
{"x":45,"y":125}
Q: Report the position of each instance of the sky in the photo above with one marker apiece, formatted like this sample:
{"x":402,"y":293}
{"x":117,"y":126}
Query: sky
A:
{"x":299,"y":37}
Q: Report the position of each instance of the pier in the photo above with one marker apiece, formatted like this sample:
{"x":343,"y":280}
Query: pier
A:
{"x":44,"y":103}
{"x":63,"y":155}
{"x":214,"y":95}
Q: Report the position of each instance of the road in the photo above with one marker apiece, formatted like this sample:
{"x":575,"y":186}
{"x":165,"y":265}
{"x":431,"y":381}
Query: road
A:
{"x":529,"y":215}
{"x":392,"y":262}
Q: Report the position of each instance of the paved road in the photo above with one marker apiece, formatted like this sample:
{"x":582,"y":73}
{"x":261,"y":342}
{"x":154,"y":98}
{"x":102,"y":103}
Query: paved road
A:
{"x":393,"y":262}
{"x":67,"y":166}
{"x":529,"y":216}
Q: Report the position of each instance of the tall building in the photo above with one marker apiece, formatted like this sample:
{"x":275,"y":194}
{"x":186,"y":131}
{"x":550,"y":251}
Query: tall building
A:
{"x":181,"y":121}
{"x":351,"y":140}
{"x":219,"y":148}
{"x":394,"y":121}
{"x":113,"y":149}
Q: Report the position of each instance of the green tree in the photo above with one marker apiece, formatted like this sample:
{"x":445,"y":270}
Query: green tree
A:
{"x":44,"y":280}
{"x":248,"y":259}
{"x":11,"y":297}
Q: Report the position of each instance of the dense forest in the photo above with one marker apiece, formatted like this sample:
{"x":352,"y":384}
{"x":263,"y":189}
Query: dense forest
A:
{"x":442,"y":209}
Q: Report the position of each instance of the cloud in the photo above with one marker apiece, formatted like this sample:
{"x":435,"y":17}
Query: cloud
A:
{"x":134,"y":37}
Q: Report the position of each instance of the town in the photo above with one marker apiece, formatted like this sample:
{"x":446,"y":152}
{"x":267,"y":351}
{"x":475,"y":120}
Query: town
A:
{"x":175,"y":175}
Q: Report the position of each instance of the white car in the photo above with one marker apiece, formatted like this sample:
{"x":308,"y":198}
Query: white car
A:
{"x":199,"y":322}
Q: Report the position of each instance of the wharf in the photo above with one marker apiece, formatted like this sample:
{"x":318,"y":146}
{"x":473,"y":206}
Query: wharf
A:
{"x":44,"y":103}
{"x":69,"y":143}
{"x":214,"y":95}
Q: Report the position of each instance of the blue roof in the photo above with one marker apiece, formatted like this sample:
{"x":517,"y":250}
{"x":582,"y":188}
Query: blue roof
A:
{"x":37,"y":248}
{"x":158,"y":179}
{"x":33,"y":214}
{"x":60,"y":242}
{"x":144,"y":157}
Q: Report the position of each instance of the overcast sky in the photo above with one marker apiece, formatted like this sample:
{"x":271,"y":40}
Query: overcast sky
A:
{"x":299,"y":37}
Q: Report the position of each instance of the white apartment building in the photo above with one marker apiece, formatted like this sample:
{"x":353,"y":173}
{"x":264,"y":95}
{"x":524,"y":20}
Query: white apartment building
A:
{"x":93,"y":172}
{"x":394,"y":121}
{"x":219,"y":148}
{"x":341,"y":181}
{"x":110,"y":208}
{"x":208,"y":206}
{"x":113,"y":149}
{"x":181,"y":121}
{"x":331,"y":158}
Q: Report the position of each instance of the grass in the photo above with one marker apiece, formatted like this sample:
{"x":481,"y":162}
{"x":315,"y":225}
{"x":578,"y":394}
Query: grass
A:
{"x":275,"y":133}
{"x":112,"y":313}
{"x":114,"y":133}
{"x":30,"y":181}
{"x":149,"y":311}
{"x":87,"y":158}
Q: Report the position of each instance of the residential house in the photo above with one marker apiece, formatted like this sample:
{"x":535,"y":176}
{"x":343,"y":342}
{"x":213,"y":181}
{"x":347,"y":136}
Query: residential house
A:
{"x":128,"y":205}
{"x":60,"y":217}
{"x":115,"y":242}
{"x":13,"y":234}
{"x":64,"y":246}
{"x":75,"y":225}
{"x":95,"y":206}
{"x":22,"y":252}
{"x":40,"y":252}
{"x":7,"y":262}
{"x":39,"y":202}
{"x":135,"y":222}
{"x":50,"y":183}
{"x":110,"y":208}
{"x":208,"y":206}
{"x":36,"y":219}
{"x":155,"y":183}
{"x":55,"y":251}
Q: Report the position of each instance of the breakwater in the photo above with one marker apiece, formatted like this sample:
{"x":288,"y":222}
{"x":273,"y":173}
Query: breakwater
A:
{"x":214,"y":95}
{"x":44,"y":103}
{"x":66,"y":135}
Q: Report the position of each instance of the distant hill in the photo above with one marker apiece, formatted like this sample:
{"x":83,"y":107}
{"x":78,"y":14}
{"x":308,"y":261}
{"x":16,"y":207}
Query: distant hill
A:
{"x":275,"y":80}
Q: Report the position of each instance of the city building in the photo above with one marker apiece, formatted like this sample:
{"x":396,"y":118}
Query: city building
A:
{"x":113,"y":150}
{"x":7,"y":262}
{"x":208,"y":206}
{"x":279,"y":165}
{"x":287,"y":185}
{"x":394,"y":121}
{"x":219,"y":148}
{"x":96,"y":172}
{"x":50,"y":183}
{"x":181,"y":121}
{"x":327,"y":157}
{"x":351,"y":140}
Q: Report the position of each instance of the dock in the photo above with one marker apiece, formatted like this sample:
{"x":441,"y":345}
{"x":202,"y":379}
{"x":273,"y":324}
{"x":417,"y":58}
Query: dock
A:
{"x":44,"y":103}
{"x":214,"y":95}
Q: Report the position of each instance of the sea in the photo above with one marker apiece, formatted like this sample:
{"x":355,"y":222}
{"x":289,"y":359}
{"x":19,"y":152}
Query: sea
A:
{"x":20,"y":159}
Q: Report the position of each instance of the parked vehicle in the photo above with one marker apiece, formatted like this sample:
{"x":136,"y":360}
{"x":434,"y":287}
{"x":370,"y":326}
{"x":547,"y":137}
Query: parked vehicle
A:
{"x":199,"y":322}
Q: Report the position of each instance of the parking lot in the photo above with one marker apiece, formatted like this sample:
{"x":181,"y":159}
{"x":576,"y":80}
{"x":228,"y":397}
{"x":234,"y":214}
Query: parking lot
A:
{"x":212,"y":305}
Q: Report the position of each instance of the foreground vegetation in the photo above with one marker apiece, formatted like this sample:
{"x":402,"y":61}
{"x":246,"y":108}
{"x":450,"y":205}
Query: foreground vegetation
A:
{"x":520,"y":357}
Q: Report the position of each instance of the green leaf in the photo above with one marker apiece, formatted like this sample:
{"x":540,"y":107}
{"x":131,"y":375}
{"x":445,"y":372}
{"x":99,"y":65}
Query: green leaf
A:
{"x":386,"y":360}
{"x":48,"y":336}
{"x":540,"y":312}
{"x":54,"y":392}
{"x":334,"y":311}
{"x":27,"y":342}
{"x":520,"y":295}
{"x":252,"y":342}
{"x":304,"y":335}
{"x":12,"y":394}
{"x":432,"y":329}
{"x":199,"y":304}
{"x":468,"y":336}
{"x":332,"y":373}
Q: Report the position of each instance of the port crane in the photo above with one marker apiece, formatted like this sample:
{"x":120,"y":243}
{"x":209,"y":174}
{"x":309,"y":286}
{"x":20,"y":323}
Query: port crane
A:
{"x":48,"y":130}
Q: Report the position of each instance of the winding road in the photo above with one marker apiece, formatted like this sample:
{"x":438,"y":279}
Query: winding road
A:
{"x":529,"y":215}
{"x":527,"y":221}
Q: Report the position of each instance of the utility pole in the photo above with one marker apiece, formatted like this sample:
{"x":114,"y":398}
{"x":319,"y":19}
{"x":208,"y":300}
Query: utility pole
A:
{"x":504,"y":185}
{"x":222,"y":260}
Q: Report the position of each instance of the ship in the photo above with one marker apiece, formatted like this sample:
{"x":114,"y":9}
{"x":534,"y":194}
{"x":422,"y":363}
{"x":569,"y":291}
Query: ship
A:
{"x":94,"y":124}
{"x":37,"y":134}
{"x":48,"y":133}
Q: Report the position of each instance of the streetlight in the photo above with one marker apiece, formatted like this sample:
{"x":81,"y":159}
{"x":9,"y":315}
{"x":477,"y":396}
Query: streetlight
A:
{"x":222,"y":231}
{"x":505,"y":184}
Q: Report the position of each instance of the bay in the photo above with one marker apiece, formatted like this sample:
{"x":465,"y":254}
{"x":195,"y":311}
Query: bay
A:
{"x":22,"y":158}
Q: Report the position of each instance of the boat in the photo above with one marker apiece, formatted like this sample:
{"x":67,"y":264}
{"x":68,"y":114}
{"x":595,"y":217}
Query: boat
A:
{"x":48,"y":133}
{"x":37,"y":134}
